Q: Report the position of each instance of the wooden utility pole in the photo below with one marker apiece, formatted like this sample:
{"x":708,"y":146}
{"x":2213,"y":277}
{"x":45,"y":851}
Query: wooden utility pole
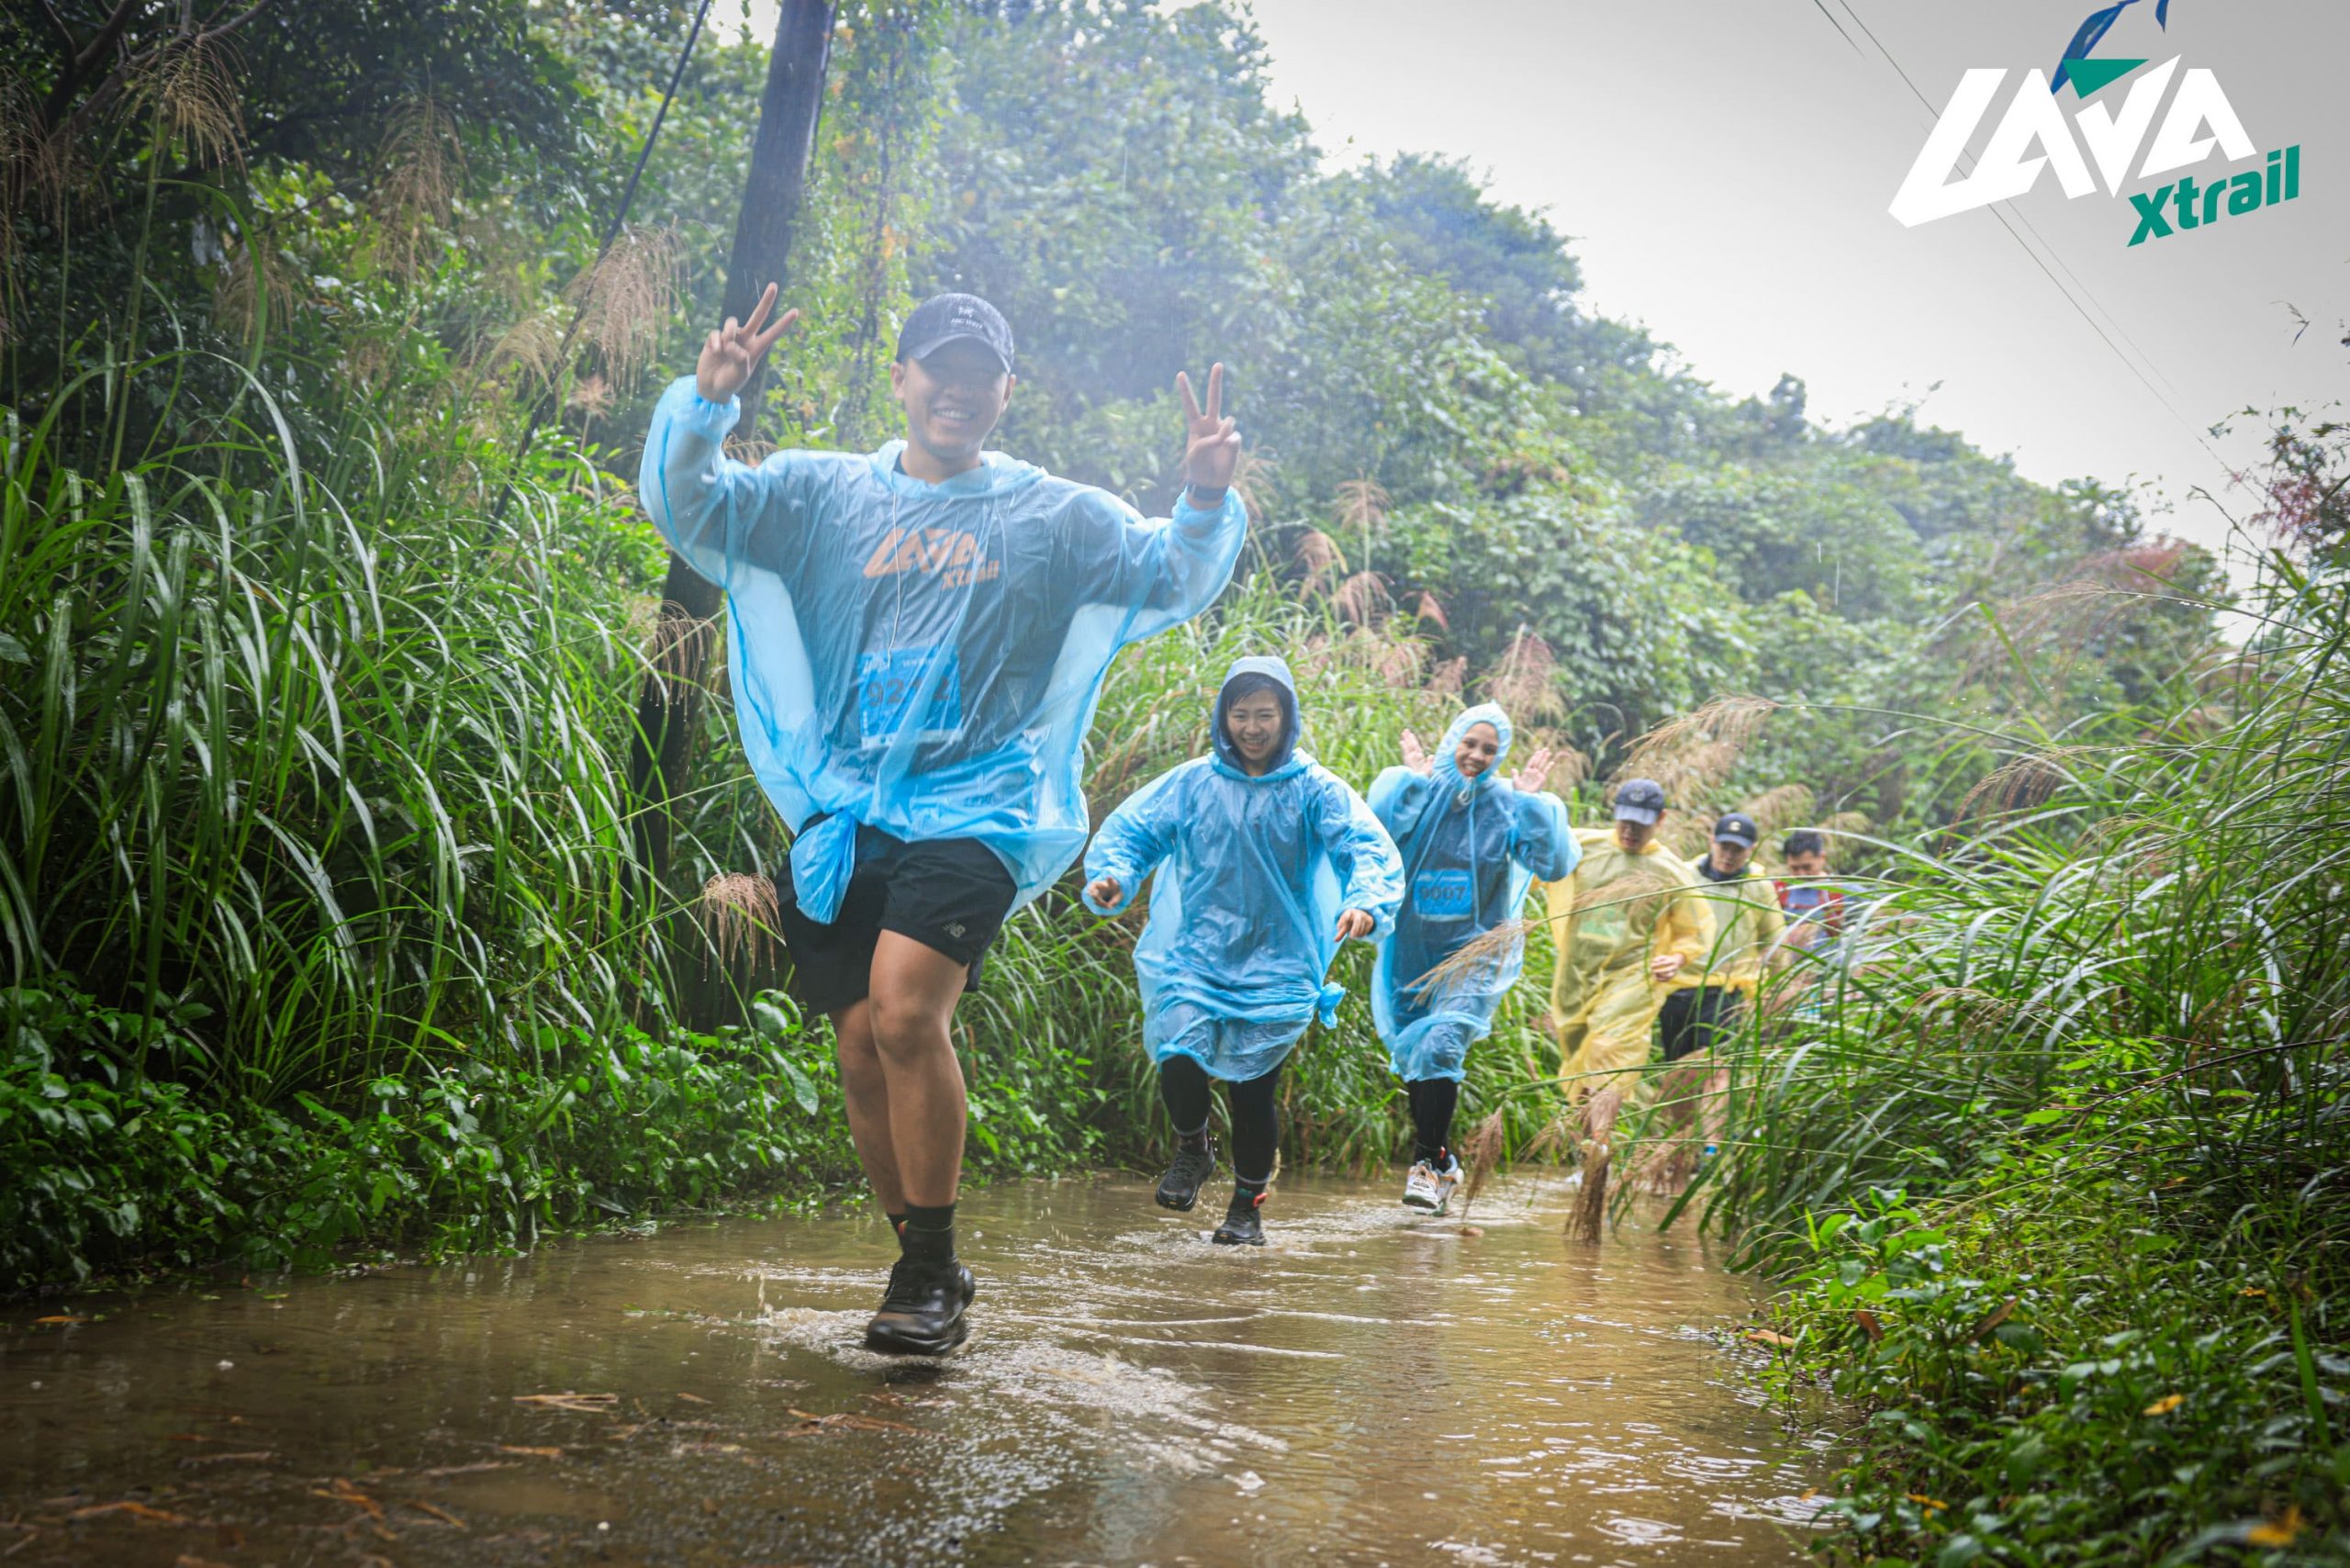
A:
{"x":668,"y":710}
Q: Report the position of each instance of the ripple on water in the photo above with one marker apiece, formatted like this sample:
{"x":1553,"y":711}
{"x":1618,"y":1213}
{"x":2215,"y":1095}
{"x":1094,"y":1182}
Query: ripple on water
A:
{"x":1372,"y":1385}
{"x":1636,"y":1531}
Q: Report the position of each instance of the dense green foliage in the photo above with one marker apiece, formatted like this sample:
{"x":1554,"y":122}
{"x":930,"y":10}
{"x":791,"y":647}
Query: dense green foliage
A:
{"x":322,"y":926}
{"x":2054,"y":1151}
{"x":1423,"y":388}
{"x":318,"y":754}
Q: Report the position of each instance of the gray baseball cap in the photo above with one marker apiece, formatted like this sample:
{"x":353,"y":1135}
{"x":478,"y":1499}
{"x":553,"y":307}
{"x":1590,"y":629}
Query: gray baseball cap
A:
{"x":1639,"y":801}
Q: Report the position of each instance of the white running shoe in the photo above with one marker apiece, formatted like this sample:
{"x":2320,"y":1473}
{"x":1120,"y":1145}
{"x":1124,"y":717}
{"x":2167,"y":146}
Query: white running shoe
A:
{"x":1431,"y":1189}
{"x":1445,"y":1181}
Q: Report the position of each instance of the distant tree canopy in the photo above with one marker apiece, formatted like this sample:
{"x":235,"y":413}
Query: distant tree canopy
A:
{"x":321,"y":84}
{"x":1428,"y":394}
{"x":400,"y":199}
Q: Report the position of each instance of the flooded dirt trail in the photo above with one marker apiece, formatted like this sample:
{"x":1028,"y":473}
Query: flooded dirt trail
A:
{"x":1374,"y":1386}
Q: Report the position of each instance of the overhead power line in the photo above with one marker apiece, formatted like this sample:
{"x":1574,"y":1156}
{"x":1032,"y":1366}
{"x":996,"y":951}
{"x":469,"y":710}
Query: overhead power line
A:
{"x":1821,"y":6}
{"x":539,"y":410}
{"x":1928,"y":104}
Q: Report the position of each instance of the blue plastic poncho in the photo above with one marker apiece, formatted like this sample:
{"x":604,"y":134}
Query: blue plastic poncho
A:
{"x":922,"y":658}
{"x":1470,"y":848}
{"x":1252,"y":874}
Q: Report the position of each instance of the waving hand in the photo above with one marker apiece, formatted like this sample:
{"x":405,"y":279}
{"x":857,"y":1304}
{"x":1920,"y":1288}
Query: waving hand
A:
{"x":1416,"y":755}
{"x":1537,"y":768}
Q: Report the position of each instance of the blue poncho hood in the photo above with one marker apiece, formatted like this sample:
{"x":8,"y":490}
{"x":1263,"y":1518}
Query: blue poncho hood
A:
{"x":1227,"y":756}
{"x":1449,"y":772}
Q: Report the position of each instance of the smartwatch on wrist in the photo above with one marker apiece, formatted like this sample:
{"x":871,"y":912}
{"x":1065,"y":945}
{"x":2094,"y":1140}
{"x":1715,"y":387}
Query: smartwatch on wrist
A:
{"x":1204,"y":499}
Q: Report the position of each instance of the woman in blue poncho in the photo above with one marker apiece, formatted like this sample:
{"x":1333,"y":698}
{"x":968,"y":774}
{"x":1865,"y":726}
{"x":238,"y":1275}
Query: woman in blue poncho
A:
{"x":917,"y":637}
{"x":1266,"y":861}
{"x":1472,"y":843}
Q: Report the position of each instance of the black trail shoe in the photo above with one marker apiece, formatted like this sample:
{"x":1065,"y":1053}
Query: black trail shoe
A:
{"x":1180,"y":1188}
{"x":924,"y":1311}
{"x":1242,"y":1225}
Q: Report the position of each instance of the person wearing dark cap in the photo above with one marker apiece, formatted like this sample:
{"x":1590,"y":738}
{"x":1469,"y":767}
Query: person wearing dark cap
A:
{"x":1706,"y":996}
{"x":917,"y":638}
{"x":1626,"y":924}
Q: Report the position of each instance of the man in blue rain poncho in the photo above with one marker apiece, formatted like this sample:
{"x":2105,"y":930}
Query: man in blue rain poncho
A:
{"x":918,"y":637}
{"x":1266,"y":862}
{"x":1472,"y":842}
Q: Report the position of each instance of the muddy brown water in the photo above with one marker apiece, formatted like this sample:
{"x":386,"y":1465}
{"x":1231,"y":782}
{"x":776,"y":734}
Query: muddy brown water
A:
{"x":1373,"y":1386}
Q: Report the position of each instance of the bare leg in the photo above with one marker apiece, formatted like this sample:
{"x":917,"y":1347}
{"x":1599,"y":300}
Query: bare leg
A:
{"x":1598,"y":1150}
{"x":1676,"y":1094}
{"x":1666,"y":1156}
{"x":1715,"y":1112}
{"x":914,"y":995}
{"x":866,"y":1090}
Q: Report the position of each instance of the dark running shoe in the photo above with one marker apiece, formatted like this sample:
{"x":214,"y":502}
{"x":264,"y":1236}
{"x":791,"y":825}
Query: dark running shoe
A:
{"x":1180,"y":1188}
{"x":924,"y":1311}
{"x":1242,"y":1225}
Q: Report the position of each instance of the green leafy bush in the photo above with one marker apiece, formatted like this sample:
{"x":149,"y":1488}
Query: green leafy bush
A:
{"x":2009,"y":1420}
{"x":2051,"y":1152}
{"x":101,"y":1170}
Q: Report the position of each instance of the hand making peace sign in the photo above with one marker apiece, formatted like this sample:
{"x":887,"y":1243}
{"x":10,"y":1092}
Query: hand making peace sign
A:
{"x":1211,"y":451}
{"x":732,"y":352}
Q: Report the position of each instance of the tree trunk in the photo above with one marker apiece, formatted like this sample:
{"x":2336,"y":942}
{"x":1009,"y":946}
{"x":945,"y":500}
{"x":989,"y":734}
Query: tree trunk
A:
{"x":668,"y":710}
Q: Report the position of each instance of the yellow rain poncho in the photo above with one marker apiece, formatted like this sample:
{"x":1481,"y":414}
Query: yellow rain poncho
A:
{"x":1609,"y":918}
{"x":1747,"y":927}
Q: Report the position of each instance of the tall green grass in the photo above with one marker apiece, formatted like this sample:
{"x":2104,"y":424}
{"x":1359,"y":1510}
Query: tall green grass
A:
{"x":313,"y":839}
{"x":311,"y":815}
{"x":2053,"y":1156}
{"x":317,"y":765}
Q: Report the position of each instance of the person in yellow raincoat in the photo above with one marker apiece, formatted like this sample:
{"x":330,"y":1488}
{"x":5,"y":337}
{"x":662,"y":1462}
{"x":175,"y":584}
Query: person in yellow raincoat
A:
{"x":1625,"y":923}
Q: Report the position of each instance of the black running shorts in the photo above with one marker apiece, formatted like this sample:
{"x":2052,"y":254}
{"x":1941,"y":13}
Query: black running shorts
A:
{"x":1692,"y":1017}
{"x":949,"y":895}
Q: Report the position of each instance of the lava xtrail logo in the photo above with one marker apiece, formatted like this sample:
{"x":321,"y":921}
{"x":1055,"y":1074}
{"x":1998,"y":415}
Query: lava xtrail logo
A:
{"x":2196,"y":123}
{"x":952,"y":554}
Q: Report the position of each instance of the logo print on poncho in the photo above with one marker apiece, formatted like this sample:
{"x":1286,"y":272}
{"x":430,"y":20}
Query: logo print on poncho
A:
{"x":950,"y":553}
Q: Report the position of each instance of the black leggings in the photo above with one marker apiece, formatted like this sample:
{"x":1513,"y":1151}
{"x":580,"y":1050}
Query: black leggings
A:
{"x":1433,"y":1102}
{"x":1256,"y":1121}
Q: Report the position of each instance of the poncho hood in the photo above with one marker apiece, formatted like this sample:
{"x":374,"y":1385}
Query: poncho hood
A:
{"x":1483,"y":713}
{"x":1227,"y":756}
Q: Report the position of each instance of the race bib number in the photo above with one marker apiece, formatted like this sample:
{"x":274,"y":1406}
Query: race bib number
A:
{"x":1442,"y":895}
{"x":889,"y":687}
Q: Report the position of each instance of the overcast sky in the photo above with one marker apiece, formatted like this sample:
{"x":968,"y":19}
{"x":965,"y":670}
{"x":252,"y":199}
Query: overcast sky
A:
{"x":1724,"y":167}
